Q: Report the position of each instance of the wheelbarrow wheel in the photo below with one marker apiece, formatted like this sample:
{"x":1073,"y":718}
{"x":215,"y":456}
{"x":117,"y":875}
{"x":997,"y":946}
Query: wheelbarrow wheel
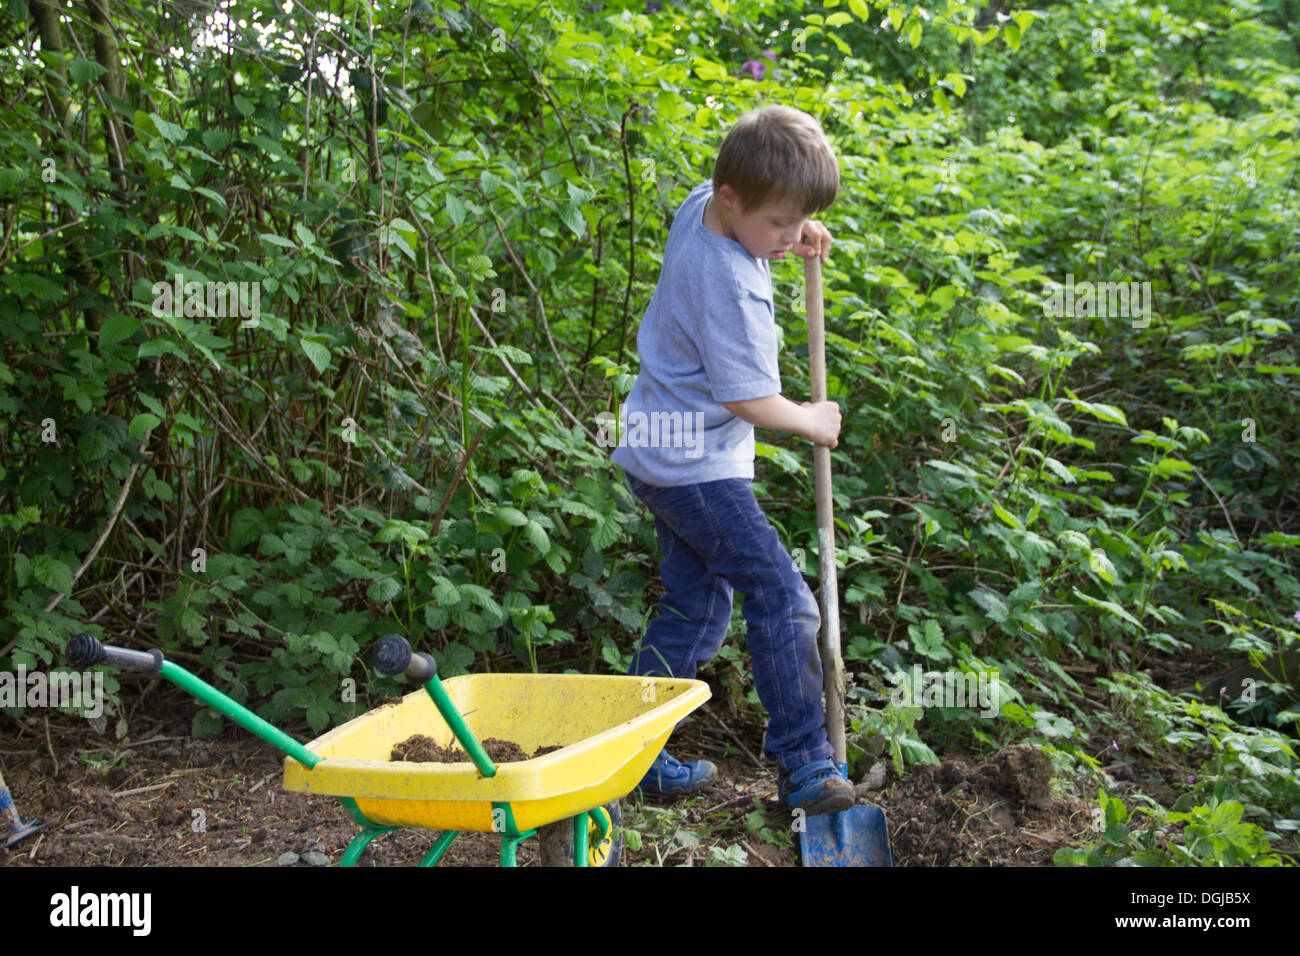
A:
{"x":557,"y":840}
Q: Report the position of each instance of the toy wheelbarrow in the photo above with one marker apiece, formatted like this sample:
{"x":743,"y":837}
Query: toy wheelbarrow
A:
{"x":609,"y":731}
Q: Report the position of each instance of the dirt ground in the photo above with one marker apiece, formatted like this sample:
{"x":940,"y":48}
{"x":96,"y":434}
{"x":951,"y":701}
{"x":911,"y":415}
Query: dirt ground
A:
{"x":161,"y":798}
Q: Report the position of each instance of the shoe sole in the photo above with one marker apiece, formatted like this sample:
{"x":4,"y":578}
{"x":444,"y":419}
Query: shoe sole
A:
{"x":835,"y":802}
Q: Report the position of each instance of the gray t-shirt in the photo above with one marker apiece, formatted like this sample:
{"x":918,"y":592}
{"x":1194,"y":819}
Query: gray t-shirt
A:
{"x":709,"y":336}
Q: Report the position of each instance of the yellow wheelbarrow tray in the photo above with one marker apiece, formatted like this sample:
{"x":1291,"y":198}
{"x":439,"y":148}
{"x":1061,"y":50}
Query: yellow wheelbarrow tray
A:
{"x":609,"y":729}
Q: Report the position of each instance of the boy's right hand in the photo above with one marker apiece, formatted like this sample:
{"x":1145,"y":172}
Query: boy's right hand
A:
{"x":824,"y":424}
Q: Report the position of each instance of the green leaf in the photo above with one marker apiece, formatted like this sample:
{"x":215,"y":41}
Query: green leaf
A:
{"x":384,"y":590}
{"x":1060,"y":470}
{"x":317,"y":353}
{"x":1110,"y":606}
{"x":572,"y":217}
{"x":992,"y":604}
{"x":143,"y":424}
{"x":1007,"y":517}
{"x":115,"y":329}
{"x":537,"y":536}
{"x":216,"y":197}
{"x":928,"y":640}
{"x":914,"y":34}
{"x":444,"y":592}
{"x":318,"y":717}
{"x":277,"y":240}
{"x":455,"y":209}
{"x":244,"y":105}
{"x":1100,"y":565}
{"x":353,"y":569}
{"x":1107,"y":413}
{"x":83,"y":71}
{"x":169,"y":131}
{"x":1076,"y":539}
{"x":511,"y":516}
{"x":711,"y":70}
{"x":205,"y":723}
{"x":269,"y":146}
{"x":215,"y":140}
{"x":54,"y":574}
{"x":1116,"y":835}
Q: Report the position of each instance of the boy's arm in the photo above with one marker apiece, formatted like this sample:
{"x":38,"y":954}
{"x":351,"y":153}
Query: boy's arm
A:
{"x":816,"y":422}
{"x":819,"y":422}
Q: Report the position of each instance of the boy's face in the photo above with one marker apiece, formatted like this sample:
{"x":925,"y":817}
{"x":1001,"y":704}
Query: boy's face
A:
{"x":767,"y":232}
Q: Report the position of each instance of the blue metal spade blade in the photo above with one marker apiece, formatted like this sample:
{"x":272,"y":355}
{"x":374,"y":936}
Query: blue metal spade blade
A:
{"x":24,"y":829}
{"x":17,"y":828}
{"x":855,"y":837}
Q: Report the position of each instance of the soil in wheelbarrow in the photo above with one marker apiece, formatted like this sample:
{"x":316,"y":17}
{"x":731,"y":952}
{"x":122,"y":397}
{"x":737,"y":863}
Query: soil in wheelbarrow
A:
{"x":422,"y":749}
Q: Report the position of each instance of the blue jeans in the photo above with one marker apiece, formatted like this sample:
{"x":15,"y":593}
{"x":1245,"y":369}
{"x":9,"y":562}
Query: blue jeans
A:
{"x":714,"y":537}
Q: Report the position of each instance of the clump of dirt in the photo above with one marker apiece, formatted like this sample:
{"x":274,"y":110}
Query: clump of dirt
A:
{"x":998,"y":810}
{"x":422,"y":749}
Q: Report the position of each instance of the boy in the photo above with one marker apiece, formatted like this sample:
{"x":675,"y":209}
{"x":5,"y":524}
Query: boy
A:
{"x":708,"y":348}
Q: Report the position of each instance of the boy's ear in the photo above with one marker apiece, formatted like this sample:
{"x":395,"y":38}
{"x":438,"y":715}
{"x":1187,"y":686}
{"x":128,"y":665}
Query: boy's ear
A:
{"x":729,"y":198}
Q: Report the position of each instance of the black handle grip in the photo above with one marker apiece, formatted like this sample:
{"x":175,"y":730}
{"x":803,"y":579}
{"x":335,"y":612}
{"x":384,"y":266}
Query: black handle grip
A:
{"x":85,"y":650}
{"x":392,"y":655}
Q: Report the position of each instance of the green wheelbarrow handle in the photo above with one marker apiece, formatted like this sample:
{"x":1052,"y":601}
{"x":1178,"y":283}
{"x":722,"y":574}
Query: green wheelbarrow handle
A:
{"x":85,"y":650}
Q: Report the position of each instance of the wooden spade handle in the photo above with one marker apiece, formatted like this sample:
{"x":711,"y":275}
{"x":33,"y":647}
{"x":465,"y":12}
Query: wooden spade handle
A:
{"x":832,"y":662}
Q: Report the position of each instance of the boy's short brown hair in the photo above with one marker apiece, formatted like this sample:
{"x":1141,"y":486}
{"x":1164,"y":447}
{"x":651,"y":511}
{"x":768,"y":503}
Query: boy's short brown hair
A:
{"x":778,"y":154}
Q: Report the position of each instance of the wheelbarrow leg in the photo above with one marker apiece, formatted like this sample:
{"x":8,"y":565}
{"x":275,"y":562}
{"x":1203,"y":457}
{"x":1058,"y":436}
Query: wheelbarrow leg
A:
{"x":438,"y":849}
{"x":580,"y":839}
{"x":510,"y":844}
{"x":360,"y":842}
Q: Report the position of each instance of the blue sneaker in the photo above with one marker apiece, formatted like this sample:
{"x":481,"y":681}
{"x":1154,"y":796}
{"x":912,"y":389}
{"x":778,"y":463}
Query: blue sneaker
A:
{"x":815,"y":787}
{"x":669,"y":777}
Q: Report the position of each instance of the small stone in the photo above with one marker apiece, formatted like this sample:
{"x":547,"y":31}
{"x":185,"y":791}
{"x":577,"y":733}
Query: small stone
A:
{"x":875,"y":778}
{"x":287,"y":859}
{"x":316,"y":858}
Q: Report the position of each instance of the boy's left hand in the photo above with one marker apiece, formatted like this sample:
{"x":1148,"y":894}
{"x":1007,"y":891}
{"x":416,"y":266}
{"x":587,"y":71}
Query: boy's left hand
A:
{"x":816,"y":240}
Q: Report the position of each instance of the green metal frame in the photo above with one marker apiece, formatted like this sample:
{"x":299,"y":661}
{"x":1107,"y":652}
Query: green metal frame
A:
{"x":511,"y":835}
